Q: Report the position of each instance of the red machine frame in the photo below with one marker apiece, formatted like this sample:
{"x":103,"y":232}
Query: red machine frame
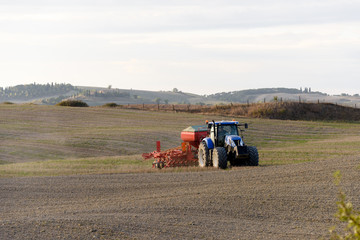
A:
{"x":184,"y":155}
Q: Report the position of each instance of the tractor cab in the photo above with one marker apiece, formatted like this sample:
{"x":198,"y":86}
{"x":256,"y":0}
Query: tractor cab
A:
{"x":219,"y":131}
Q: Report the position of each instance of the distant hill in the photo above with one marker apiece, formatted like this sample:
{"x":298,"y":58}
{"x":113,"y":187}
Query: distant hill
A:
{"x":51,"y":94}
{"x":100,"y":96}
{"x":285,"y":94}
{"x":252,"y":95}
{"x":255,"y":95}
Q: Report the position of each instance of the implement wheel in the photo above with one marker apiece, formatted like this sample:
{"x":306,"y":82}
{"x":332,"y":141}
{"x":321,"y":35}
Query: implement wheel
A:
{"x":203,"y":155}
{"x":158,"y":164}
{"x":220,"y":158}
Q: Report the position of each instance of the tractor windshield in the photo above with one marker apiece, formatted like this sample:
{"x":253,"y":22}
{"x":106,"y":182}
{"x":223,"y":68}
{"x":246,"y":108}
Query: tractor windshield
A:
{"x":224,"y":130}
{"x":228,"y":129}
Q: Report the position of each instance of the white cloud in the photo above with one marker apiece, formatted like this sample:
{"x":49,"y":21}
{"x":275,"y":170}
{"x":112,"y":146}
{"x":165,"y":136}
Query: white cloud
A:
{"x":156,"y":44}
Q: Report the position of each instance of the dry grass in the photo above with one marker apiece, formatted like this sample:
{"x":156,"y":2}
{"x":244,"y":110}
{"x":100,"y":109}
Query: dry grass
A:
{"x":99,"y":165}
{"x":315,"y":150}
{"x":32,"y":133}
{"x":81,"y":166}
{"x":271,"y":110}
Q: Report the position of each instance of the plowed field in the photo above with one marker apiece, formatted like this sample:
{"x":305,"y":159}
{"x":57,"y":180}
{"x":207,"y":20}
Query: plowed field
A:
{"x":272,"y":202}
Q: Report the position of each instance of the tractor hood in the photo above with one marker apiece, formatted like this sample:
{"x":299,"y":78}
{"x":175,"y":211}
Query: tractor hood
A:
{"x":230,"y":140}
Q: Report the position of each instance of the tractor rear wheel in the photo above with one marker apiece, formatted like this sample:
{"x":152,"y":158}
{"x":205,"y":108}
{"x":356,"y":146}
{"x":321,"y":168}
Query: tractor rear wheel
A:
{"x":220,"y":158}
{"x":203,"y":155}
{"x":253,"y":156}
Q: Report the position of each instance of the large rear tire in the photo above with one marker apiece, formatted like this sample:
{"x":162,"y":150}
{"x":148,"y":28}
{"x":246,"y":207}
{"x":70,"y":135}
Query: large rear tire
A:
{"x":253,"y":156}
{"x":220,"y":158}
{"x":203,"y":155}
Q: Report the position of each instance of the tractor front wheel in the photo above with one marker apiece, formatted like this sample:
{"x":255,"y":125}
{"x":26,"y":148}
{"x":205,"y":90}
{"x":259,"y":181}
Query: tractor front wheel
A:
{"x":203,"y":155}
{"x":220,"y":158}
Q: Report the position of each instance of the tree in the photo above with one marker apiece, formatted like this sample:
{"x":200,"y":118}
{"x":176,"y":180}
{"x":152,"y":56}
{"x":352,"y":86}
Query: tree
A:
{"x":166,"y":101}
{"x":109,"y":87}
{"x":157,"y":100}
{"x":346,"y":214}
{"x":175,"y":90}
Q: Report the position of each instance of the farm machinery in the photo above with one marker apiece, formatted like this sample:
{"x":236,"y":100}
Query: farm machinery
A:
{"x":214,"y":144}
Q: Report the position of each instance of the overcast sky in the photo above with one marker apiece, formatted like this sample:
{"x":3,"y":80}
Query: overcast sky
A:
{"x":199,"y":46}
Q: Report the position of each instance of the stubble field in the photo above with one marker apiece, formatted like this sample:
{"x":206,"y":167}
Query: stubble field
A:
{"x":77,"y":173}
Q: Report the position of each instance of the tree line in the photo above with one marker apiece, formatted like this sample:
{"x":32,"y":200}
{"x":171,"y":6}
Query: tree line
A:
{"x":31,"y":91}
{"x":105,"y":93}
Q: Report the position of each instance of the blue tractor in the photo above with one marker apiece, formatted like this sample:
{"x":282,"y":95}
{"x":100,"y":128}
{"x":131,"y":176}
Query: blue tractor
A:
{"x":225,"y":144}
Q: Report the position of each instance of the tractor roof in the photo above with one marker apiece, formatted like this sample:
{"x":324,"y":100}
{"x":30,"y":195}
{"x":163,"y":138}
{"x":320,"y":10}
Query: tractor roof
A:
{"x":225,"y":123}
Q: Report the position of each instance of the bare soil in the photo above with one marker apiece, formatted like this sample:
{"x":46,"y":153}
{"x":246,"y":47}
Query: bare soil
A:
{"x":295,"y":201}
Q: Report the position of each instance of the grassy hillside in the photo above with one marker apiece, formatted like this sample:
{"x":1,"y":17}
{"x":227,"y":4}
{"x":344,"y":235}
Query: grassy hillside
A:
{"x":284,"y":94}
{"x":54,"y":140}
{"x":140,"y":97}
{"x":251,"y":95}
{"x":51,"y":94}
{"x":244,"y":96}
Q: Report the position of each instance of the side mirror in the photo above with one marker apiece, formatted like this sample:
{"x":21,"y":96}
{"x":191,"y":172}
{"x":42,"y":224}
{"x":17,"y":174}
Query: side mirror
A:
{"x":246,"y":125}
